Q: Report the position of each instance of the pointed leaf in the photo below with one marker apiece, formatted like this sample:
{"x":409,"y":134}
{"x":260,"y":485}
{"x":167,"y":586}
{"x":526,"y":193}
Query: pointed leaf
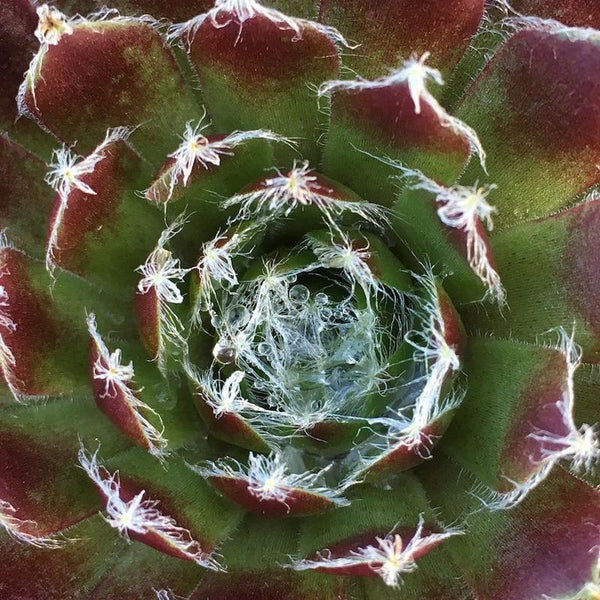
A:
{"x":43,"y":337}
{"x":255,"y":72}
{"x":587,"y":408}
{"x":516,"y":421}
{"x":229,"y":426}
{"x":554,"y":259}
{"x":391,"y":31}
{"x":161,"y":506}
{"x":534,"y":108}
{"x":219,"y":169}
{"x":25,"y":200}
{"x":378,"y":535}
{"x":464,"y":250}
{"x":381,"y":120}
{"x":296,"y":501}
{"x":136,"y":398}
{"x":118,"y":72}
{"x":91,"y":234}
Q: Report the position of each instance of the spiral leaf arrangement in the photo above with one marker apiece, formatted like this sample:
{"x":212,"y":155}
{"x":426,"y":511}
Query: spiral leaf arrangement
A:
{"x":259,"y":334}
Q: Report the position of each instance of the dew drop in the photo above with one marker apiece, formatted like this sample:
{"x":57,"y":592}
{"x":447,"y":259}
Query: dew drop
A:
{"x":299,"y":294}
{"x":238,"y":315}
{"x":321,"y":299}
{"x":326,"y":313}
{"x":224,"y":352}
{"x":264,"y":349}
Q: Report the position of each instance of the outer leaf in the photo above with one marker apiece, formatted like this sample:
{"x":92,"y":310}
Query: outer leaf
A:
{"x":136,"y":398}
{"x":200,"y":516}
{"x":374,"y":513}
{"x":544,"y":548}
{"x":179,"y":10}
{"x":307,"y":9}
{"x":534,"y":108}
{"x":18,"y":21}
{"x":43,"y":336}
{"x":256,"y":74}
{"x":49,"y":574}
{"x":298,"y":502}
{"x":118,"y":73}
{"x":383,"y":122}
{"x":25,"y":200}
{"x":518,"y":401}
{"x":391,"y":31}
{"x":380,"y":120}
{"x":91,"y":234}
{"x":549,"y":268}
{"x":575,"y":13}
{"x":425,"y":238}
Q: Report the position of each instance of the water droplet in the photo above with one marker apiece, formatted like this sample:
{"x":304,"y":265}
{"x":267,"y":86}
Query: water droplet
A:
{"x":264,"y":349}
{"x":321,"y":299}
{"x":299,"y":294}
{"x":238,"y":315}
{"x":224,"y":352}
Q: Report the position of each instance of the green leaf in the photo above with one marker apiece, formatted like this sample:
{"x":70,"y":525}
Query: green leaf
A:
{"x":534,"y":108}
{"x":546,"y":547}
{"x":516,"y":421}
{"x":24,"y":197}
{"x":117,"y":73}
{"x":390,"y":31}
{"x":549,"y":269}
{"x":257,"y":74}
{"x":43,"y":326}
{"x":181,"y":516}
{"x":91,"y":234}
{"x":381,"y":121}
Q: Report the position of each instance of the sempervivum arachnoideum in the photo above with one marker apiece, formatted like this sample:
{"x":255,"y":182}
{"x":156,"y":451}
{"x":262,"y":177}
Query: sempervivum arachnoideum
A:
{"x":258,"y":337}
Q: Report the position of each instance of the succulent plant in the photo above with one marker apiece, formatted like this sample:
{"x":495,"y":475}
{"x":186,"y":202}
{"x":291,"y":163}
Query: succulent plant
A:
{"x":258,"y":337}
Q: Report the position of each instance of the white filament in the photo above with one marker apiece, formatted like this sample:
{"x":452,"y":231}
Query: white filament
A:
{"x":140,"y":515}
{"x":196,"y":148}
{"x":279,"y":196}
{"x":269,"y":478}
{"x":390,"y":558}
{"x":12,"y":525}
{"x":118,"y":379}
{"x":239,"y":12}
{"x":415,"y":74}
